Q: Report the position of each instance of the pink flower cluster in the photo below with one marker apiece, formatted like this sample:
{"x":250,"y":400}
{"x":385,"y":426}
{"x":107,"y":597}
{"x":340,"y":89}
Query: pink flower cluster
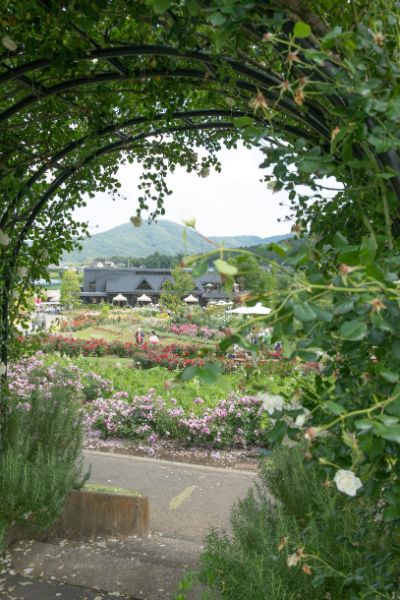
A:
{"x":193,"y":330}
{"x":235,"y":421}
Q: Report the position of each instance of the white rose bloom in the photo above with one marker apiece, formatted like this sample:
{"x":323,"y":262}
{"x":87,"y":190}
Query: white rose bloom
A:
{"x":347,"y":482}
{"x":3,"y":368}
{"x":271,"y":403}
{"x":9,"y":43}
{"x":300,"y":420}
{"x":271,"y":184}
{"x":4,"y":238}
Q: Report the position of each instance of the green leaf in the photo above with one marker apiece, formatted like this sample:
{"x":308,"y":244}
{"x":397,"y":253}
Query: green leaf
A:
{"x":368,"y":250}
{"x":394,"y":108}
{"x":225,"y":268}
{"x":199,"y":269}
{"x":318,"y":57}
{"x":160,"y":6}
{"x":330,"y":38}
{"x":243,"y":121}
{"x":304,"y":312}
{"x":343,"y":307}
{"x":309,"y":354}
{"x":353,"y":331}
{"x":277,"y":432}
{"x":391,"y":433}
{"x":394,"y":408}
{"x":334,"y":407}
{"x":339,"y":241}
{"x":323,"y":315}
{"x":193,"y":7}
{"x":364,"y":424}
{"x":187,"y":373}
{"x":228,"y":341}
{"x":391,"y":513}
{"x":279,"y":250}
{"x":301,"y":30}
{"x":388,"y":375}
{"x":209,"y":373}
{"x":288,"y":347}
{"x":216,"y":19}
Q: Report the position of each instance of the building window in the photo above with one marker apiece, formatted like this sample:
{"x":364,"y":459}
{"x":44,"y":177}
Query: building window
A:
{"x":144,"y":285}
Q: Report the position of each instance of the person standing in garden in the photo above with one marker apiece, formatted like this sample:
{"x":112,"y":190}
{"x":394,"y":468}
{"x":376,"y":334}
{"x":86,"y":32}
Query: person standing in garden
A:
{"x":153,"y":339}
{"x":139,"y":336}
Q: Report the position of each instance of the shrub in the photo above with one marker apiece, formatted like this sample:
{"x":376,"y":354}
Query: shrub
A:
{"x":310,"y":542}
{"x":40,"y":460}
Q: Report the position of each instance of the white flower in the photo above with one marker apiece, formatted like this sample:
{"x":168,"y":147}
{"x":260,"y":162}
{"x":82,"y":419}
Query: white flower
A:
{"x":4,"y":238}
{"x":136,"y":221}
{"x":204,"y":172}
{"x":3,"y":368}
{"x":271,"y":185}
{"x":190,"y":222}
{"x":347,"y":482}
{"x":22,"y":272}
{"x":300,"y":420}
{"x":287,"y":442}
{"x":9,"y":43}
{"x":271,"y":403}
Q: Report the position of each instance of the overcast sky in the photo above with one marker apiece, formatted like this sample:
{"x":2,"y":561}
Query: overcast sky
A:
{"x":233,"y":202}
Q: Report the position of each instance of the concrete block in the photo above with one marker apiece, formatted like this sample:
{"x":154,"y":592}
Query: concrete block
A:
{"x":91,"y":514}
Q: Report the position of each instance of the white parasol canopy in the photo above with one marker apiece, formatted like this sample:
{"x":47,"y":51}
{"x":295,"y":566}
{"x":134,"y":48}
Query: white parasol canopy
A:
{"x":190,"y":299}
{"x":120,"y":298}
{"x":258,"y":309}
{"x":144,"y":298}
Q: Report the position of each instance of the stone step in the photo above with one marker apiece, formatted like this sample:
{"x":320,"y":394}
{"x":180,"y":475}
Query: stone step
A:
{"x":140,"y":568}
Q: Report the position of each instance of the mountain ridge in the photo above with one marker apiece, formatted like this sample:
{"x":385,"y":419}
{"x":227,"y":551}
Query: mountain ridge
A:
{"x":164,"y":237}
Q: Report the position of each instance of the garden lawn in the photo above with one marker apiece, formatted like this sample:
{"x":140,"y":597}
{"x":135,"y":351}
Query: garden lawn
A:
{"x":125,"y":377}
{"x":124,"y":334}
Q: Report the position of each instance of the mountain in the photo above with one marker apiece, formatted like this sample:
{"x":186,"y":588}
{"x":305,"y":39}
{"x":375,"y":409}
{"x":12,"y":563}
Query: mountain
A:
{"x":164,"y":237}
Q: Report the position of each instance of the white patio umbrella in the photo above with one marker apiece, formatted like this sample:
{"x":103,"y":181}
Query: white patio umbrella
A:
{"x":257,"y":309}
{"x":190,"y":299}
{"x":144,"y":298}
{"x":120,"y":298}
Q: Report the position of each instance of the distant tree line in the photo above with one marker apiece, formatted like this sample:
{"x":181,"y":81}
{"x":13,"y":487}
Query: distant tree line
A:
{"x":154,"y":261}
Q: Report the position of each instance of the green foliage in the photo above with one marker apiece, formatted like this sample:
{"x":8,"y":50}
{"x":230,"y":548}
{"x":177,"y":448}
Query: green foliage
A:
{"x":105,"y":312}
{"x":253,"y":278}
{"x":174,"y":291}
{"x":70,"y":287}
{"x":334,"y":552}
{"x":40,"y":460}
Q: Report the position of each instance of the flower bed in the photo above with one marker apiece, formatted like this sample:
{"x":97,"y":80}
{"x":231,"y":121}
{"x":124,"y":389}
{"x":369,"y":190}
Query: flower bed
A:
{"x":237,"y":420}
{"x":193,"y":330}
{"x":171,"y":356}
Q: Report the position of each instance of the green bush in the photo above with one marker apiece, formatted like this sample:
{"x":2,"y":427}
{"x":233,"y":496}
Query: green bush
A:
{"x":339,"y":548}
{"x":40,"y":460}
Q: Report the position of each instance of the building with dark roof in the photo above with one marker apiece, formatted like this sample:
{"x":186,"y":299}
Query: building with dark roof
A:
{"x":102,"y":285}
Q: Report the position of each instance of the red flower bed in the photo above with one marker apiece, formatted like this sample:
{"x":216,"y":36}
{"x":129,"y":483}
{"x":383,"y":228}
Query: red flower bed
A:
{"x":171,"y":356}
